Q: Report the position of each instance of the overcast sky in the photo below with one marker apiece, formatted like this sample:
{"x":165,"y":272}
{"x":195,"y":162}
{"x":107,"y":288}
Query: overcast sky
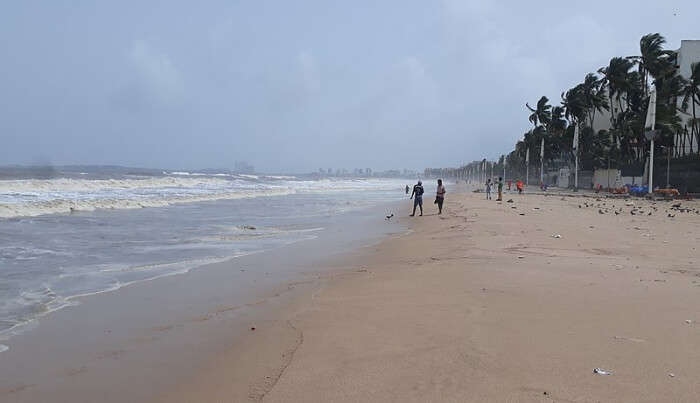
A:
{"x":291,"y":86}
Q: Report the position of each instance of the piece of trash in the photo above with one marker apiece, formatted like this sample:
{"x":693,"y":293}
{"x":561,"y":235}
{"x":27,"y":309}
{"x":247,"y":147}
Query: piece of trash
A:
{"x":671,"y":374}
{"x":522,"y":214}
{"x":389,"y":216}
{"x":509,"y":201}
{"x":556,"y":236}
{"x":249,"y":227}
{"x":521,"y":257}
{"x":688,"y":321}
{"x":601,"y":371}
{"x":252,"y":328}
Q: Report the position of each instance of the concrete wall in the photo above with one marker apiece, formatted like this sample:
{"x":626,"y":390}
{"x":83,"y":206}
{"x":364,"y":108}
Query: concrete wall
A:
{"x":607,"y":178}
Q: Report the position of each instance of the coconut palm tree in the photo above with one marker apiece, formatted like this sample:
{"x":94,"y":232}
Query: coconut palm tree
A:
{"x":652,"y":61}
{"x":574,"y":106}
{"x":541,"y":114}
{"x":593,"y":96}
{"x":616,"y":78}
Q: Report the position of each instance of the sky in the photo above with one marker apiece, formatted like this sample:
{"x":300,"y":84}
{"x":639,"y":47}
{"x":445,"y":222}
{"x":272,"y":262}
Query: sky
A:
{"x":293,"y":86}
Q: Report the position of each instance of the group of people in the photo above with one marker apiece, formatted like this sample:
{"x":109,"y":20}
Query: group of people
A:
{"x":489,"y":184}
{"x":519,"y":185}
{"x":417,"y":196}
{"x":418,"y":191}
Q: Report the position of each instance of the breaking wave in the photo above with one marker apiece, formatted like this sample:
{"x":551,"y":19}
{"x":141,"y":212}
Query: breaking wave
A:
{"x":34,"y":197}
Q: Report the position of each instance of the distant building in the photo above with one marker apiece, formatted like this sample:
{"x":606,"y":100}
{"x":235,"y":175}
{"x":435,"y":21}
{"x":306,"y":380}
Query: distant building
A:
{"x":688,"y":54}
{"x":243,"y":167}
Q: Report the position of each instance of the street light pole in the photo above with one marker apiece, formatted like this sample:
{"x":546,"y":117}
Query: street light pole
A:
{"x":668,"y":168}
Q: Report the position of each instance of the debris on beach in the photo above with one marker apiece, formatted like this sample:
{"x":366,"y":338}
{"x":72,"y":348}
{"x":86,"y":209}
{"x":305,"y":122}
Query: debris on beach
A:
{"x":556,"y":236}
{"x":389,"y":216}
{"x":252,"y":328}
{"x":671,"y":374}
{"x":521,"y":257}
{"x":522,"y":214}
{"x":601,"y":371}
{"x":688,"y":321}
{"x":249,"y":227}
{"x":509,"y":201}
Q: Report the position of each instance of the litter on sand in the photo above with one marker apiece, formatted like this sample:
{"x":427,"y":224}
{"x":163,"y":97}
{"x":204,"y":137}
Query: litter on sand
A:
{"x":601,"y":371}
{"x":556,"y":236}
{"x":671,"y":374}
{"x":688,"y":321}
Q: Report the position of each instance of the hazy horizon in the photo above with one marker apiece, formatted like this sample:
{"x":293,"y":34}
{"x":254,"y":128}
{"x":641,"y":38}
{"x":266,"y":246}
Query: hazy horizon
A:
{"x":293,"y":87}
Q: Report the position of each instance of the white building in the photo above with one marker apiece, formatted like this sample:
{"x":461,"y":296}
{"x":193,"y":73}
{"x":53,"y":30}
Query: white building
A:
{"x":688,"y":54}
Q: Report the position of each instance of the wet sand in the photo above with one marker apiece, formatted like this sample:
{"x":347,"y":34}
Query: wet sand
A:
{"x":141,"y":341}
{"x":485,"y":304}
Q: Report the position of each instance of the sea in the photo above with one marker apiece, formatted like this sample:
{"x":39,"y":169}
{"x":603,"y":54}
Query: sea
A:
{"x":76,"y":231}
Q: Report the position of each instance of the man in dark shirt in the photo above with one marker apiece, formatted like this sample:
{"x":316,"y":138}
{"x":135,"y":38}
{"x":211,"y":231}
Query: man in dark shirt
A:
{"x":418,"y":200}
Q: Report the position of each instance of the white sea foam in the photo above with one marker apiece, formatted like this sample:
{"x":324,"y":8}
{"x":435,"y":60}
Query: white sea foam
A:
{"x":33,"y":197}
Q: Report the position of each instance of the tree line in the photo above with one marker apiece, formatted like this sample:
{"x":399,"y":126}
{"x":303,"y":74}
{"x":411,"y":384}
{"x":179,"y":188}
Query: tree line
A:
{"x":618,"y":93}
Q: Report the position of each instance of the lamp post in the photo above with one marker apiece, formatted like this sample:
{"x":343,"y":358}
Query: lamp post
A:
{"x":651,"y":123}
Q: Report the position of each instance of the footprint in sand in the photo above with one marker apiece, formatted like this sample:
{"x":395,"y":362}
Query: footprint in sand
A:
{"x":632,"y":339}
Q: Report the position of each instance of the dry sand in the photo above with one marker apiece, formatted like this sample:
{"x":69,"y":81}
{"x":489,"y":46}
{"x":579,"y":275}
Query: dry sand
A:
{"x":485,"y":304}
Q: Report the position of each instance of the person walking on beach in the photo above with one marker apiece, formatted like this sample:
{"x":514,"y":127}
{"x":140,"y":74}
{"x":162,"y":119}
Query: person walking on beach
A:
{"x":407,"y":189}
{"x":418,"y":201}
{"x":519,"y":186}
{"x":440,"y":196}
{"x":488,"y":189}
{"x":500,"y":189}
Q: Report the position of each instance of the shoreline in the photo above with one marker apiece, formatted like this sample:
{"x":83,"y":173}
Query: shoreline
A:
{"x":149,"y":335}
{"x":483,"y":303}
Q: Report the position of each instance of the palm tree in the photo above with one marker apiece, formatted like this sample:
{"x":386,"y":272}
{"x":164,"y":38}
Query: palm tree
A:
{"x":541,"y":113}
{"x":593,"y":96}
{"x":652,"y":61}
{"x":557,"y":123}
{"x":616,"y":79}
{"x":691,"y":94}
{"x":573,"y":103}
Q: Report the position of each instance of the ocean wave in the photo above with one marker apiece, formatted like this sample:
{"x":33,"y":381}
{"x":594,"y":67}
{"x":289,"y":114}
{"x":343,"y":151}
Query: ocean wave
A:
{"x":34,"y":197}
{"x":60,"y":206}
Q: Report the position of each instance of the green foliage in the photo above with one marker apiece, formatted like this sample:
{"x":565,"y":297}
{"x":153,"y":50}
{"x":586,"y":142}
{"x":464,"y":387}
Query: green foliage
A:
{"x":624,"y":91}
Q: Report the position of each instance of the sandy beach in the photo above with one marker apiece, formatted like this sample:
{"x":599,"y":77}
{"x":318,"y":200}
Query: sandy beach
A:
{"x":486,"y":303}
{"x":492,"y":301}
